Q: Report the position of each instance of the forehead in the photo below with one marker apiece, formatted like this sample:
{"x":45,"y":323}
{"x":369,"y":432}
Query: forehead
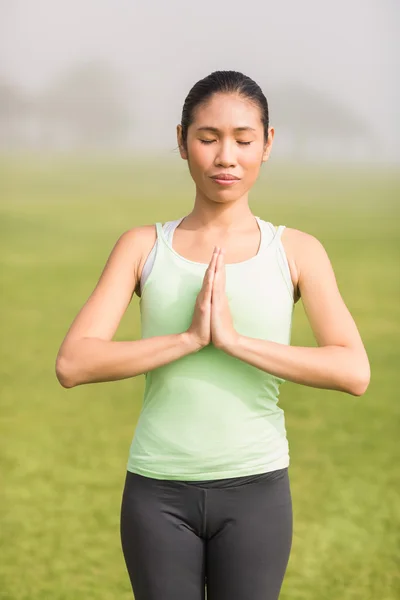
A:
{"x":228,"y":110}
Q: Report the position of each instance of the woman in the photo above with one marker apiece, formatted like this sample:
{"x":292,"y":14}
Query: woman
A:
{"x":207,"y":494}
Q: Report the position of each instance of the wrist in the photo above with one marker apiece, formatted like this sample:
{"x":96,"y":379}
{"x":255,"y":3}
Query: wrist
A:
{"x":190,"y":342}
{"x":232,"y":346}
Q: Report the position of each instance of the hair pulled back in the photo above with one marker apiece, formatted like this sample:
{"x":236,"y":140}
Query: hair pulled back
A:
{"x":223,"y":82}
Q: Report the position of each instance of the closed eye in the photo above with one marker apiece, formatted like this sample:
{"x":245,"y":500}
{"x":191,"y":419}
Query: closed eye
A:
{"x":211,"y":141}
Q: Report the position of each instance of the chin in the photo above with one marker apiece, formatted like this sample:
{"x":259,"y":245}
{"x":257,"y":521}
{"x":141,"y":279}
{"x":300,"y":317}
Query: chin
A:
{"x":229,"y":192}
{"x":225,"y":198}
{"x":222,"y":195}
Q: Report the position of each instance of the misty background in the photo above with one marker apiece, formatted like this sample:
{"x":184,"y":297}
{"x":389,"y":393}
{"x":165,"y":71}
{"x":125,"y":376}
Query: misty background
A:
{"x":113,"y":75}
{"x":90,"y":96}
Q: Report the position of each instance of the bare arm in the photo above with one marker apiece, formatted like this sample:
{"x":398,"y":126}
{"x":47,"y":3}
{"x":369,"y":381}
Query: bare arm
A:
{"x":88,"y":354}
{"x":340,"y":362}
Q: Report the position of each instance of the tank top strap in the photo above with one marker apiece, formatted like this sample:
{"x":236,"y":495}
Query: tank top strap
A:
{"x":281,"y":256}
{"x":275,"y":232}
{"x":166,"y":231}
{"x":158,"y":229}
{"x":269,"y":236}
{"x":279,"y":231}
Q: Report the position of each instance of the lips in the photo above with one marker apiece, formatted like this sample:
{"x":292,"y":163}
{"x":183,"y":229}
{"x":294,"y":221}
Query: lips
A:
{"x":224,"y":176}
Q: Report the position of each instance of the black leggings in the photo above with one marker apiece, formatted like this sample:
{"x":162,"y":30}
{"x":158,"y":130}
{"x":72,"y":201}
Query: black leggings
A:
{"x":232,"y":535}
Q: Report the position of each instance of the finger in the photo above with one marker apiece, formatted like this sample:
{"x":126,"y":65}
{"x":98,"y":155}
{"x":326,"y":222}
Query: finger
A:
{"x":209,"y":279}
{"x":213,"y":258}
{"x":211,"y":267}
{"x":220,"y":270}
{"x":213,"y":264}
{"x":214,"y":261}
{"x":220,"y":259}
{"x":215,"y":253}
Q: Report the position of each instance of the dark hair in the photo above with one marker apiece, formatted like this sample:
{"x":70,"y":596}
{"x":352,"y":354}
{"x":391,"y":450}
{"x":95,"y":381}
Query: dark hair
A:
{"x":223,"y":82}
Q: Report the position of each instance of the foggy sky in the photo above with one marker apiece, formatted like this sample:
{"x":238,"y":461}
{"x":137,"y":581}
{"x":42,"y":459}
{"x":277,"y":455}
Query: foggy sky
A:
{"x":347,"y":48}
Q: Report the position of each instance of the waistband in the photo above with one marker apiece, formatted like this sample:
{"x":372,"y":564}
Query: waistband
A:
{"x":221,"y":483}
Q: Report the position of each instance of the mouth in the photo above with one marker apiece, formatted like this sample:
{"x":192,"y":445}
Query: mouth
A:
{"x":222,"y":179}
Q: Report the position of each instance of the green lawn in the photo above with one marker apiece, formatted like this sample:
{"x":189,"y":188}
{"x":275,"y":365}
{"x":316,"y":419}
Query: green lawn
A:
{"x":64,"y":452}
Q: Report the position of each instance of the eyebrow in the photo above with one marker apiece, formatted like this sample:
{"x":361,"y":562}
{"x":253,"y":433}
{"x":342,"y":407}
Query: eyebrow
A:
{"x":215,"y":130}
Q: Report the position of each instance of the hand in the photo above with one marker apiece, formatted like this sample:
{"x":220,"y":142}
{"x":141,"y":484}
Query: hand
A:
{"x":200,"y":329}
{"x":223,"y":334}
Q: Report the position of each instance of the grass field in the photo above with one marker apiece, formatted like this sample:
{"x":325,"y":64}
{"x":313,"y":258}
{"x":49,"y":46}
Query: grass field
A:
{"x":64,"y":452}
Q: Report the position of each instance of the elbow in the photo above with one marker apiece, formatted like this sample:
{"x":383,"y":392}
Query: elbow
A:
{"x":64,"y":372}
{"x":361,"y":382}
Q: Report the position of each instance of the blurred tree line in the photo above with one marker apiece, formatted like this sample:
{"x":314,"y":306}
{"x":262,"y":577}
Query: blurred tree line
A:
{"x":87,"y":107}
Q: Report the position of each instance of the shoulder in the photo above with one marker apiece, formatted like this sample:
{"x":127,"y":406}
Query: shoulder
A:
{"x":305,"y":245}
{"x":135,"y":240}
{"x":141,"y":236}
{"x":140,"y":240}
{"x":300,"y":241}
{"x":140,"y":233}
{"x":309,"y":255}
{"x":303,"y":251}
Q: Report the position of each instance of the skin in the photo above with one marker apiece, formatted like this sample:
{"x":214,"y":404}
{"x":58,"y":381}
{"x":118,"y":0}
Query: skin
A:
{"x":234,"y":144}
{"x":218,"y":209}
{"x":240,"y":153}
{"x":220,"y":217}
{"x":223,"y":334}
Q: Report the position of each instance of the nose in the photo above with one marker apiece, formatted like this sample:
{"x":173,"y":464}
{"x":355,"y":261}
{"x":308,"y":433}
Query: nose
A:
{"x":226,"y":154}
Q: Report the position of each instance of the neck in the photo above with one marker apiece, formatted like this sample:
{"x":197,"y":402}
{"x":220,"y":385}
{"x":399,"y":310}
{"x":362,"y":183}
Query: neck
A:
{"x":220,"y":216}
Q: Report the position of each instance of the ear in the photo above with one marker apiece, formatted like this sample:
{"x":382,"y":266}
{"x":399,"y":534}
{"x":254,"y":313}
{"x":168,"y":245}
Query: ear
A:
{"x":268,"y":145}
{"x":181,"y":145}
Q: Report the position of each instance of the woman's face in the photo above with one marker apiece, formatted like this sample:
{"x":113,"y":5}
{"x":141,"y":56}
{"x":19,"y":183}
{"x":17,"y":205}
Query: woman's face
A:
{"x":226,"y":136}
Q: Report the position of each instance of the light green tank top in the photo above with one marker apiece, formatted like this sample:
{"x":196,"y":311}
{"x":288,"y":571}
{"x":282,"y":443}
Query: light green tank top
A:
{"x":209,"y":415}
